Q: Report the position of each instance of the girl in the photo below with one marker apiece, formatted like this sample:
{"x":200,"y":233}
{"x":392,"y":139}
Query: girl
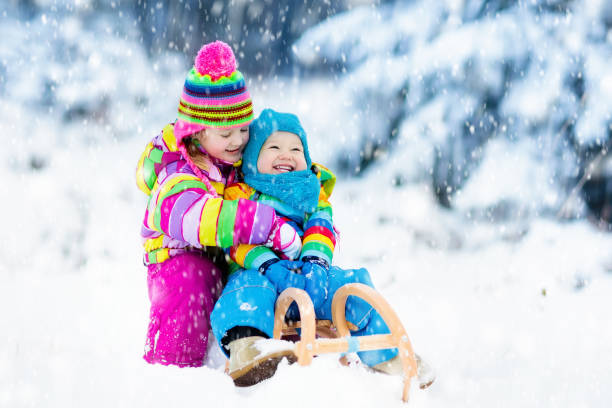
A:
{"x":278,"y":171}
{"x":184,"y":170}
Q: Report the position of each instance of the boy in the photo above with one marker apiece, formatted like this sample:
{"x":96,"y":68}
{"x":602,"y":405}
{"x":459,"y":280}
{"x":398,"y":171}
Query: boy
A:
{"x":278,"y":172}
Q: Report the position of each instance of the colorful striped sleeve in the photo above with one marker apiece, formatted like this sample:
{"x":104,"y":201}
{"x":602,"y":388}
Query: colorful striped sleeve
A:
{"x":182,"y":208}
{"x":246,"y":255}
{"x":319,"y":238}
{"x":251,"y":256}
{"x":162,"y":149}
{"x":145,"y":170}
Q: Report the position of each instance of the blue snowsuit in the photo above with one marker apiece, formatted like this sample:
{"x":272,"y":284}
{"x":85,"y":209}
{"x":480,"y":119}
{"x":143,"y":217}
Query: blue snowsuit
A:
{"x":249,"y":299}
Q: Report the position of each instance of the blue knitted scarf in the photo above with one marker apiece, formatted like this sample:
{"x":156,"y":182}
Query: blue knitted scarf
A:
{"x":297,"y":189}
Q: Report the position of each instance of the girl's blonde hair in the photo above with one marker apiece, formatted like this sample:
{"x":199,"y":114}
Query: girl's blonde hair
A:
{"x":196,"y":160}
{"x":194,"y":153}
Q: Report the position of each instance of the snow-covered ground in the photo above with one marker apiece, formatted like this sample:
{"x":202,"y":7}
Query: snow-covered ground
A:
{"x":510,"y":314}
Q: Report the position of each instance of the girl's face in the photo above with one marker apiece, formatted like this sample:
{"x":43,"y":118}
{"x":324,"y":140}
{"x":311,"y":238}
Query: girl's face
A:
{"x":281,"y":153}
{"x":224,"y":144}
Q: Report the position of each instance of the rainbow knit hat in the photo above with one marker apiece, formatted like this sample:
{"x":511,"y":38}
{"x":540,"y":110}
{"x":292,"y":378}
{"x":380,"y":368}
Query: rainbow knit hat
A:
{"x":214,"y":94}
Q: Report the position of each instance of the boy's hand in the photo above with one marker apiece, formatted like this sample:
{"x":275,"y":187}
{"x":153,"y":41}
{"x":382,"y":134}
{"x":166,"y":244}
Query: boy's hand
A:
{"x":284,"y":239}
{"x":283,"y":274}
{"x":316,"y":282}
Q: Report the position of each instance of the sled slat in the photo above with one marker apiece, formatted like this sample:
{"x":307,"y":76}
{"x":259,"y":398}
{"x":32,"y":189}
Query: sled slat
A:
{"x":366,"y":343}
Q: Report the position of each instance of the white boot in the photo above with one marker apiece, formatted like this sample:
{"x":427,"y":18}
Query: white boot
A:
{"x":249,"y":365}
{"x":425,"y":374}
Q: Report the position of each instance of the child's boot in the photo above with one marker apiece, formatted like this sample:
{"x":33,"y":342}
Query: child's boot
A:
{"x":425,"y":374}
{"x":249,"y":365}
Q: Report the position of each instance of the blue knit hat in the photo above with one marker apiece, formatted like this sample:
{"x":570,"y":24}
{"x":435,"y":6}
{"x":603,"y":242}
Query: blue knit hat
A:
{"x":260,"y":130}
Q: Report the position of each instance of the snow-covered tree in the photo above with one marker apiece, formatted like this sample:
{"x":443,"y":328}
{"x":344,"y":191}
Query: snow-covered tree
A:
{"x":262,"y":31}
{"x":440,"y":83}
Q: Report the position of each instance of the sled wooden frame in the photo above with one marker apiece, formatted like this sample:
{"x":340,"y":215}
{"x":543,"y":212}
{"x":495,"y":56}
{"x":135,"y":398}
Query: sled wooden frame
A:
{"x":340,"y":340}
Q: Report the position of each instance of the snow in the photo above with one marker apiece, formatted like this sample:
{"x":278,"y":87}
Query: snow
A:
{"x":508,"y":170}
{"x":509,"y":305}
{"x":505,"y":319}
{"x":247,"y":306}
{"x":272,"y":346}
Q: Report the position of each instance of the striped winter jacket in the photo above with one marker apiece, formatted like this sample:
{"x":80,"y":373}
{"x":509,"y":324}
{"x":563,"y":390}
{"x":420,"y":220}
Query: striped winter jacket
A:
{"x":316,"y":228}
{"x":182,"y":215}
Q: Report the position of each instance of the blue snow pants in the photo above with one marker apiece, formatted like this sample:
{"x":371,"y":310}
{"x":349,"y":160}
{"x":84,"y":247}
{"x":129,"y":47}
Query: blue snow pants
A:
{"x":248,"y":299}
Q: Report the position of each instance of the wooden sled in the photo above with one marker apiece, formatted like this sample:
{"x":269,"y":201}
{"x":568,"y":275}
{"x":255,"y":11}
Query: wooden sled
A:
{"x":335,"y":336}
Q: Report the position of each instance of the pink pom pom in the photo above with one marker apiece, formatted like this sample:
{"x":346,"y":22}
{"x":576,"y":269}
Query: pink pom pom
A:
{"x":215,"y":59}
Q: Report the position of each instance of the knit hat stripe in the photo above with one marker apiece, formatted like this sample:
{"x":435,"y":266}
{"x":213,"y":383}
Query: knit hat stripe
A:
{"x":226,"y":112}
{"x":215,"y":109}
{"x":214,"y":95}
{"x":212,"y":117}
{"x":219,"y":122}
{"x":248,"y":109}
{"x":205,"y":80}
{"x":195,"y":88}
{"x":195,"y":116}
{"x":228,"y":100}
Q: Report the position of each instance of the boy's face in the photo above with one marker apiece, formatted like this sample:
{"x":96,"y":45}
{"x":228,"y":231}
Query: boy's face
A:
{"x":281,"y":153}
{"x":224,"y":144}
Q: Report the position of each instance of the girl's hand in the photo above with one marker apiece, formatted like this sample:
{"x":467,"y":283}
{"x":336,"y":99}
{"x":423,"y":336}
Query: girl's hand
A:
{"x":284,"y":239}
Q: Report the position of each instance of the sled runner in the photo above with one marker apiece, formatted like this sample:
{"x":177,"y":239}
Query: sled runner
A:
{"x":319,"y":337}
